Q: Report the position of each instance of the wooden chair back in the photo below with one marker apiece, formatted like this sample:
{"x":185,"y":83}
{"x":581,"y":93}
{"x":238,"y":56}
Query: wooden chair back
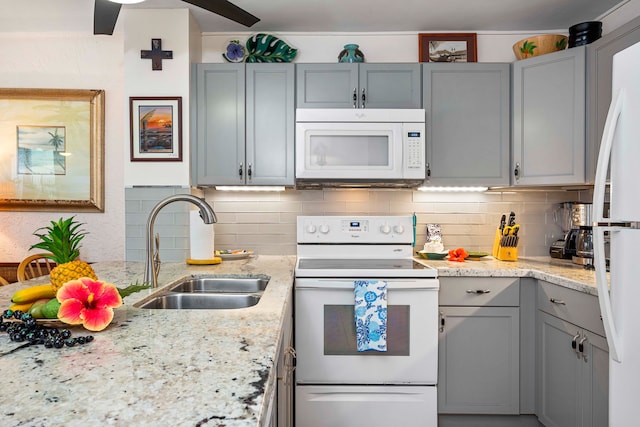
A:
{"x":35,"y":265}
{"x":3,"y":281}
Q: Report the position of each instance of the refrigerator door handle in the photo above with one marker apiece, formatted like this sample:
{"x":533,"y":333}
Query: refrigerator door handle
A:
{"x":613,"y":339}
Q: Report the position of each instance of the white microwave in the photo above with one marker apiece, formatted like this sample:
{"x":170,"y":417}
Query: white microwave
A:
{"x":376,"y":147}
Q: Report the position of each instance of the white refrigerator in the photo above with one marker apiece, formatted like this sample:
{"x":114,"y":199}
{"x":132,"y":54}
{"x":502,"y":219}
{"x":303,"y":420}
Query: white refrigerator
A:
{"x":620,"y":295}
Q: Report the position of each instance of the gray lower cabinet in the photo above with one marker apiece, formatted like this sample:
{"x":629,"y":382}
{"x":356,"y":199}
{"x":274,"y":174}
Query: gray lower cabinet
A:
{"x":350,"y":85}
{"x":285,"y":367}
{"x":600,"y":59}
{"x":478,"y":353}
{"x":572,"y":361}
{"x":549,"y":94}
{"x":244,"y":124}
{"x":468,"y":123}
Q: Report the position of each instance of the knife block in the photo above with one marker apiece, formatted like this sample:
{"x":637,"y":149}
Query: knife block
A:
{"x":507,"y":253}
{"x":503,"y":253}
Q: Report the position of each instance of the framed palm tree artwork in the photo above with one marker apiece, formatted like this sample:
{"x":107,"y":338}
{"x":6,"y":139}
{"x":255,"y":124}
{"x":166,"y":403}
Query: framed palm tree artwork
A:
{"x":156,"y":129}
{"x":52,"y":150}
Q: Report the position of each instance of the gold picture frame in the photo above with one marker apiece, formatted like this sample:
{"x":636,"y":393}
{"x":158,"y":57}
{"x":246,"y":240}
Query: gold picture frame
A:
{"x":52,"y":150}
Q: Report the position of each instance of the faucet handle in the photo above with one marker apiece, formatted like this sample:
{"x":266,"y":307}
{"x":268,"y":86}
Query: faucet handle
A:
{"x":156,"y":254}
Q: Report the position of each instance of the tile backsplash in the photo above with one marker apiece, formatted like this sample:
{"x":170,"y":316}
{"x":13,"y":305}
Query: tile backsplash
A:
{"x":266,"y":222}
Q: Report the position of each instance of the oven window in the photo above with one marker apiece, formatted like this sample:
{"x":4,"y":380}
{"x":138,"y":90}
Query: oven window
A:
{"x":349,"y":150}
{"x":340,"y":331}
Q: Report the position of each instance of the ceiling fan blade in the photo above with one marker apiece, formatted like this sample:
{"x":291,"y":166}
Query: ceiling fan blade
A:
{"x":105,"y":16}
{"x":226,"y":9}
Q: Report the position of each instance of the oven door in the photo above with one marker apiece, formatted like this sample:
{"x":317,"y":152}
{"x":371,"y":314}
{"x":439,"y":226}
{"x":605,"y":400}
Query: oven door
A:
{"x":326,"y":337}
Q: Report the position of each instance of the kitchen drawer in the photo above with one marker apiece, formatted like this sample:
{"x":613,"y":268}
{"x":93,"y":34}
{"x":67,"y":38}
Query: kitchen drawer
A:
{"x":480,"y":291}
{"x":570,"y":305}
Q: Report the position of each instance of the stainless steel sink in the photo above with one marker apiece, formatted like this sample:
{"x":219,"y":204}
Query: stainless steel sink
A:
{"x":201,"y":301}
{"x":222,"y":284}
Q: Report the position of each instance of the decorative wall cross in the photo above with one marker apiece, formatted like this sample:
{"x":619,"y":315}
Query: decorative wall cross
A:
{"x":156,"y":54}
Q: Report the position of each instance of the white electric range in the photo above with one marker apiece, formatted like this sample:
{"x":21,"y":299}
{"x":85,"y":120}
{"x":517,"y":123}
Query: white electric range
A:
{"x":337,"y":385}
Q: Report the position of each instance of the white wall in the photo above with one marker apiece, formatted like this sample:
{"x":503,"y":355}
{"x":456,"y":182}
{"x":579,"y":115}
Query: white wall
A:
{"x":377,"y":47}
{"x":172,"y":26}
{"x":71,"y":61}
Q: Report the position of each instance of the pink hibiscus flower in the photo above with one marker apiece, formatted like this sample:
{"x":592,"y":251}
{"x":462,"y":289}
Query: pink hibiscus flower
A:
{"x":88,"y":302}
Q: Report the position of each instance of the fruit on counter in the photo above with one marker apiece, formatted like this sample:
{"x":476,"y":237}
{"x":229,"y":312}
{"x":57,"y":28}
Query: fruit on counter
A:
{"x":33,"y":293}
{"x":62,"y":240}
{"x":458,"y":255}
{"x":22,"y":307}
{"x":36,"y":308}
{"x":50,"y":309}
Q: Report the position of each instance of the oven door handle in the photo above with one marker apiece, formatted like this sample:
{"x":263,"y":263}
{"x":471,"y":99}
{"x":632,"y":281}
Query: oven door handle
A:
{"x":425,"y":284}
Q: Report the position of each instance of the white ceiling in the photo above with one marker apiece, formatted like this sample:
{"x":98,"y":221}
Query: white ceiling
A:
{"x":331,"y":15}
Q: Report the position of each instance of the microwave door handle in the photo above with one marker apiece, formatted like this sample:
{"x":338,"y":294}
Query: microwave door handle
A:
{"x":355,"y":97}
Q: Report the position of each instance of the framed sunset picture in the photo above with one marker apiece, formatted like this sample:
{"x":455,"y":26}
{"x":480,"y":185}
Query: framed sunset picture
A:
{"x":156,"y":129}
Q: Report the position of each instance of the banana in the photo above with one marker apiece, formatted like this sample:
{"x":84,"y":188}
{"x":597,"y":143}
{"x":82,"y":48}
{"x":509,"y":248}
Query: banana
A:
{"x":22,"y":307}
{"x":33,"y":293}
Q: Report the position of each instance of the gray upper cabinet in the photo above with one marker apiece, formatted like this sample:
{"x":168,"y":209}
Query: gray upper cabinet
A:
{"x":349,"y":85}
{"x":600,"y":59}
{"x":468,"y":123}
{"x":244,"y":124}
{"x":549,"y":119}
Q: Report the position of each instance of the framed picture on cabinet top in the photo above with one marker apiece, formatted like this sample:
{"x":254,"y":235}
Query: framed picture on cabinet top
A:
{"x":156,"y":129}
{"x":447,"y":47}
{"x":52,"y":150}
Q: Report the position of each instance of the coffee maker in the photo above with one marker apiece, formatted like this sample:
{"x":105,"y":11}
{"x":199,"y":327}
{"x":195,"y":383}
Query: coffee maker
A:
{"x":575,"y":220}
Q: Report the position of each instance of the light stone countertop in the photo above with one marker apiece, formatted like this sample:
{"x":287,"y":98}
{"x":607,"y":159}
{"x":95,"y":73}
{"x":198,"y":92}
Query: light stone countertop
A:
{"x":155,"y":367}
{"x":187,"y":367}
{"x":557,"y":271}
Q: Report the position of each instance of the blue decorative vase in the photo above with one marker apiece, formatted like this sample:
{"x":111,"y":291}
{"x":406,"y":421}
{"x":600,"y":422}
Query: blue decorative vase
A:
{"x":351,"y":53}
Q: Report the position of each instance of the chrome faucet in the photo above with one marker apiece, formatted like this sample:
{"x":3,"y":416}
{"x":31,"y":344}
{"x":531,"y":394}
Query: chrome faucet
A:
{"x":152,"y":255}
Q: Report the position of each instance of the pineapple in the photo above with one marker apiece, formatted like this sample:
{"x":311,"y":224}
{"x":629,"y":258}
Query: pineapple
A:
{"x":62,"y":240}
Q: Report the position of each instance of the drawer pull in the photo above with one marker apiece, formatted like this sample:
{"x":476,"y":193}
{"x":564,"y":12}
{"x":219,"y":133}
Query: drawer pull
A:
{"x":478,"y":291}
{"x":557,"y":301}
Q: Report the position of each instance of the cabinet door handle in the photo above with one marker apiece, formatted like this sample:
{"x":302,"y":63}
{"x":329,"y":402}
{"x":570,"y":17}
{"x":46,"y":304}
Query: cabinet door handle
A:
{"x":581,"y":347}
{"x":240,"y":171}
{"x":364,"y":98}
{"x":557,"y":301}
{"x":478,"y":291}
{"x":441,"y":322}
{"x":516,"y":171}
{"x":355,"y":97}
{"x":428,"y":170}
{"x":574,"y":343}
{"x":249,"y":173}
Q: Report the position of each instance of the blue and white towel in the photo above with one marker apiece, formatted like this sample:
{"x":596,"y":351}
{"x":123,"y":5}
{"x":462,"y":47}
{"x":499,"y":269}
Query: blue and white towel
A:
{"x":371,"y":314}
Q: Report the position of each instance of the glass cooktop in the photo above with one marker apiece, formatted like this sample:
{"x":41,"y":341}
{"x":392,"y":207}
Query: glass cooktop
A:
{"x":402,"y":267}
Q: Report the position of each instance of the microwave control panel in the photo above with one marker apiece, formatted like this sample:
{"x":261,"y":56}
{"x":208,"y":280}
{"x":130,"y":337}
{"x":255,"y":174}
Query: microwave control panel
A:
{"x":415,"y":152}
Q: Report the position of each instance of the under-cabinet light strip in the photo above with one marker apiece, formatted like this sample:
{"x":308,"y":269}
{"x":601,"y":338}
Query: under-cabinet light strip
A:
{"x":249,"y":188}
{"x":453,"y":189}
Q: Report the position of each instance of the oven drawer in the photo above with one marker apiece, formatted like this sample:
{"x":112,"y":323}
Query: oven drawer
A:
{"x":480,"y":291}
{"x":371,"y":406}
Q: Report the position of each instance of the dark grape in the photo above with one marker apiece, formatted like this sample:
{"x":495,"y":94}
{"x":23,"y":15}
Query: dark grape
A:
{"x":81,"y":340}
{"x":65,"y":333}
{"x":18,"y":314}
{"x":28,"y":329}
{"x":7,"y":314}
{"x":70,"y":342}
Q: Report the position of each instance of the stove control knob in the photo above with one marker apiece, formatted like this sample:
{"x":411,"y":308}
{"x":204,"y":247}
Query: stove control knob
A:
{"x":324,"y":228}
{"x":311,"y":228}
{"x":398,"y":229}
{"x":385,"y":229}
